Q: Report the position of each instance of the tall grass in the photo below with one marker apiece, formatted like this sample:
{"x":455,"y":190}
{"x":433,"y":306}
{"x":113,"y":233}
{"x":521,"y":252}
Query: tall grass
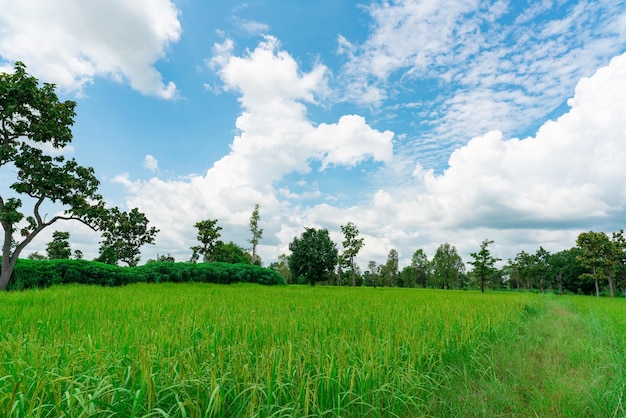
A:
{"x":201,"y":350}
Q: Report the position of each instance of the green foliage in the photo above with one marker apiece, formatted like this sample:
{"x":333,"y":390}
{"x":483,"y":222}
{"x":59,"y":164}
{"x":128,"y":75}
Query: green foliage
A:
{"x":484,"y":263}
{"x":124,"y":235}
{"x":208,"y":236}
{"x":351,"y":247}
{"x":45,"y":273}
{"x":231,"y":253}
{"x":59,"y":247}
{"x":447,"y":267}
{"x":31,"y":117}
{"x":596,"y":255}
{"x":313,"y":256}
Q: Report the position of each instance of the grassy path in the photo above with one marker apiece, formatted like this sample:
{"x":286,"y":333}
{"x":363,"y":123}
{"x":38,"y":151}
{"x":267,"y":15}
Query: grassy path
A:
{"x":560,"y":362}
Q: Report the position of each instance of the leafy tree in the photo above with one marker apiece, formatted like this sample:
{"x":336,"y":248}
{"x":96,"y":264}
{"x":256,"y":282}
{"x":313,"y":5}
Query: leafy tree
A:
{"x":59,"y":247}
{"x":313,"y":255}
{"x":78,"y":254}
{"x":257,"y":234}
{"x":525,"y":266}
{"x":282,"y":267}
{"x":483,"y":263}
{"x":124,"y":235}
{"x":619,"y":259}
{"x":566,"y":271}
{"x":541,"y":270}
{"x":390,"y":269}
{"x":167,"y":258}
{"x":352,"y":245}
{"x":231,"y":253}
{"x":36,"y":256}
{"x":421,"y":267}
{"x":33,"y":119}
{"x":372,"y":274}
{"x":208,"y":236}
{"x":447,"y":266}
{"x":595,"y":255}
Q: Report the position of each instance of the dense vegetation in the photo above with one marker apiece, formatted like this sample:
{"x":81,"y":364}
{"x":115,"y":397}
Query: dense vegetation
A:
{"x":202,"y":350}
{"x":44,"y":273}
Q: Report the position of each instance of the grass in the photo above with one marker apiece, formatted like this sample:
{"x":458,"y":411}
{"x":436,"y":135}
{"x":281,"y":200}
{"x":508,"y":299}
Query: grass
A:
{"x":199,"y":350}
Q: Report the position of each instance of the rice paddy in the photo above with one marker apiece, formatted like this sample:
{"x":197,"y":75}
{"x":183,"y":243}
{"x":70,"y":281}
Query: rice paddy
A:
{"x":203,"y":350}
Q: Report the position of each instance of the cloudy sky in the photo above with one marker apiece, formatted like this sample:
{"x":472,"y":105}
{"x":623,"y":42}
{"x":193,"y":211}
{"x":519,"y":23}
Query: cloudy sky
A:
{"x":421,"y":121}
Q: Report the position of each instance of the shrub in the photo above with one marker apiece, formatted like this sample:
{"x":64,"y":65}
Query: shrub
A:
{"x":44,"y":273}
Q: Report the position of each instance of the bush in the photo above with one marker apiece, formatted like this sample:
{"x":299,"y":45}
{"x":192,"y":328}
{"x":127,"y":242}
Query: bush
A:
{"x":44,"y":273}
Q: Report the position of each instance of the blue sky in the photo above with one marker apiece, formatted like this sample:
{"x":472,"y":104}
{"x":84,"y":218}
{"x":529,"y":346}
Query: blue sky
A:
{"x":423,"y":122}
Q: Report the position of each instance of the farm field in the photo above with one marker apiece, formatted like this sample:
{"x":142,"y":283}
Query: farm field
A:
{"x":203,"y":350}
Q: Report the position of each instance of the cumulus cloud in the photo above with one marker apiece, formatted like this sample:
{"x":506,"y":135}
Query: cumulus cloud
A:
{"x":70,"y":42}
{"x":274,"y":138}
{"x":497,"y":65}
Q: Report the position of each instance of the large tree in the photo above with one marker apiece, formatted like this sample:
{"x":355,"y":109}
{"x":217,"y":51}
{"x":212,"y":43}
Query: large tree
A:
{"x":421,"y":267}
{"x":351,"y":247}
{"x":256,"y":232}
{"x":313,"y":255}
{"x":483,"y":262}
{"x":595,"y":256}
{"x":209,"y":238}
{"x":124,"y":235}
{"x":447,"y":266}
{"x":33,"y":121}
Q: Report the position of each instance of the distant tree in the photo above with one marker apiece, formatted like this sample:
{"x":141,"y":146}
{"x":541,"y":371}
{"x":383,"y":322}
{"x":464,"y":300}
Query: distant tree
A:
{"x":421,"y":267}
{"x":390,"y":270}
{"x":78,"y":254}
{"x":542,"y":266}
{"x":512,"y":273}
{"x":208,"y":236}
{"x":447,"y":266}
{"x":352,"y":245}
{"x":36,"y":256}
{"x":372,"y":275}
{"x":595,"y":255}
{"x":125,"y":234}
{"x":167,"y":258}
{"x":282,"y":267}
{"x":313,"y":255}
{"x":32,"y":121}
{"x":525,"y":266}
{"x":619,"y":260}
{"x":484,"y":263}
{"x":59,"y":247}
{"x":231,"y":253}
{"x":257,"y":233}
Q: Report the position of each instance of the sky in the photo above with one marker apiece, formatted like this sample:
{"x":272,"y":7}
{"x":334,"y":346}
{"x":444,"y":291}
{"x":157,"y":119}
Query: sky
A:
{"x":423,"y":122}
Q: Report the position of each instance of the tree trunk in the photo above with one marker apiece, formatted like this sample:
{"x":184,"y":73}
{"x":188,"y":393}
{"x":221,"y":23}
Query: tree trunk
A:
{"x":8,"y":265}
{"x":610,"y":279}
{"x":595,"y":278}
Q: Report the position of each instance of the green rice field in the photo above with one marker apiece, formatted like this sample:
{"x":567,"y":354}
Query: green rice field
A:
{"x":203,"y":350}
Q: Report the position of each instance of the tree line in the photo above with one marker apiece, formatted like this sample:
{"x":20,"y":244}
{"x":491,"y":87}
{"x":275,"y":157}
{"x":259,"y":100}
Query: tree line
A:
{"x":597,"y":264}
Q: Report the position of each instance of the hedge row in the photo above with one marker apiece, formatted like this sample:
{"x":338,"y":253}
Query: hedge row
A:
{"x":44,"y":273}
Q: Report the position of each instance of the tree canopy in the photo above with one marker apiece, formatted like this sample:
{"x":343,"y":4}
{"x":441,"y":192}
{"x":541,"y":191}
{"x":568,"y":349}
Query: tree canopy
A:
{"x":313,"y":255}
{"x":32,"y":120}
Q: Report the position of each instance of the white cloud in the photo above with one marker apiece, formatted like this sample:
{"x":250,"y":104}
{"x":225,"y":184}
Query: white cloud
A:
{"x":274,"y":138}
{"x":70,"y":42}
{"x":150,"y":163}
{"x":490,"y":73}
